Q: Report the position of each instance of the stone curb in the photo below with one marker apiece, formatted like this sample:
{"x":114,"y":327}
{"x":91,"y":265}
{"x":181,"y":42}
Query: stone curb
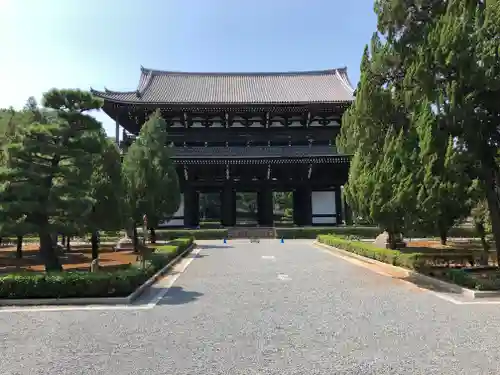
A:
{"x":159,"y":274}
{"x":449,"y":287}
{"x":99,"y":300}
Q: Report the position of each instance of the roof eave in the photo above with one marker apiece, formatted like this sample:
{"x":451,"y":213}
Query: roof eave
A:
{"x":218,"y":104}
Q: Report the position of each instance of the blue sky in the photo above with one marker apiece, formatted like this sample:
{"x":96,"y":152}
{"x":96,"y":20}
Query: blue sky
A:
{"x":84,"y":43}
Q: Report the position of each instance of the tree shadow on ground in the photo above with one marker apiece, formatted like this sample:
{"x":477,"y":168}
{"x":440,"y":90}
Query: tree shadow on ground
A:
{"x":201,"y":255}
{"x":454,"y":289}
{"x":176,"y":295}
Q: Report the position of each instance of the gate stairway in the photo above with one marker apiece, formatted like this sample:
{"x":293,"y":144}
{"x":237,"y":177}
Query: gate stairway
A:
{"x":254,"y":234}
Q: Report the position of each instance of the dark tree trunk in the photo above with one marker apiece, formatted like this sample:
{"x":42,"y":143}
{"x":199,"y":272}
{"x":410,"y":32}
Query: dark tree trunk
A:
{"x":392,"y":240}
{"x":135,"y":240}
{"x":443,"y":236}
{"x":152,"y":235}
{"x":494,"y":208}
{"x":19,"y":249}
{"x":94,"y":240}
{"x":48,"y":253}
{"x":68,"y":243}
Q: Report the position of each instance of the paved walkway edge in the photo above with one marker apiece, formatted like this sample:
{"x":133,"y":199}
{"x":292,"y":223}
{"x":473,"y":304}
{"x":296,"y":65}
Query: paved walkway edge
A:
{"x":452,"y":288}
{"x":159,"y":274}
{"x":99,"y":300}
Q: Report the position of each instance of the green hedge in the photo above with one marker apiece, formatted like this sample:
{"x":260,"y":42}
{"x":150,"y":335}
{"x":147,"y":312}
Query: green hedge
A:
{"x":291,"y":233}
{"x":422,"y":262}
{"x":198,"y":234}
{"x":394,"y":257}
{"x":464,"y":278}
{"x":118,"y":283}
{"x":286,"y":233}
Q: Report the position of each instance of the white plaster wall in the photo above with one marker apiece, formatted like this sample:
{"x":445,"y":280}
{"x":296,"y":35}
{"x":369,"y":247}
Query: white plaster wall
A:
{"x":323,"y":203}
{"x":179,"y":213}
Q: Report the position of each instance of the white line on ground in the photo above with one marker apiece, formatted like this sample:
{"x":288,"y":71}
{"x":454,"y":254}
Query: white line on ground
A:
{"x":163,"y":285}
{"x":72,"y":308}
{"x":283,"y":277}
{"x":166,"y":283}
{"x":269,"y":257}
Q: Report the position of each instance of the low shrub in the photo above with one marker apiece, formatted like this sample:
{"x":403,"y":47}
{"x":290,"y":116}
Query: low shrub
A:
{"x":198,"y":234}
{"x":354,"y":232}
{"x":365,"y":249}
{"x":117,"y":283}
{"x":422,"y":262}
{"x":467,"y":280}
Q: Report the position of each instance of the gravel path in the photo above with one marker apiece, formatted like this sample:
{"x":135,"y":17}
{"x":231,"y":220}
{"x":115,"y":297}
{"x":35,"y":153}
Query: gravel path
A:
{"x":266,"y":308}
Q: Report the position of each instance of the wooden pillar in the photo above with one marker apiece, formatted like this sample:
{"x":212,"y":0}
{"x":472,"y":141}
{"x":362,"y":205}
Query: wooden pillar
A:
{"x":302,"y":206}
{"x":117,"y":131}
{"x":228,"y":206}
{"x":297,"y":208}
{"x":307,"y":204}
{"x":265,"y":206}
{"x":191,"y":208}
{"x":338,"y":205}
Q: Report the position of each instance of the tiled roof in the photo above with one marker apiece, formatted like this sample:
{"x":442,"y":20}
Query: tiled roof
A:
{"x":177,"y":88}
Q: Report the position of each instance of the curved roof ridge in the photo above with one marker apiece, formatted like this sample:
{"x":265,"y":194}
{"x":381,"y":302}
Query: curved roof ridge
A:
{"x":287,"y":73}
{"x":344,"y":79}
{"x":119,"y":92}
{"x":144,"y":80}
{"x":313,"y":86}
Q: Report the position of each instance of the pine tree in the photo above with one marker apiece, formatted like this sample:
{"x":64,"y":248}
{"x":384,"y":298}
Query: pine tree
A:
{"x":464,"y":53}
{"x":376,"y":131}
{"x":106,"y":190}
{"x":10,"y":123}
{"x":481,"y":218}
{"x":44,"y":181}
{"x":150,"y":178}
{"x":445,"y":186}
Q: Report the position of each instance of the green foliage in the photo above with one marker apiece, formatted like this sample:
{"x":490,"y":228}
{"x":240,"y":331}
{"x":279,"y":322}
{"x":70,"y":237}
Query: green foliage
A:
{"x":426,"y":115}
{"x":44,"y":181}
{"x":445,"y":192}
{"x":72,"y":284}
{"x":118,"y":283}
{"x":460,"y":74}
{"x":150,"y":177}
{"x":106,"y":188}
{"x":466,"y":279}
{"x":182,"y":243}
{"x":310,"y":233}
{"x":394,"y":257}
{"x":382,"y":179}
{"x":421,"y":262}
{"x":480,"y":216}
